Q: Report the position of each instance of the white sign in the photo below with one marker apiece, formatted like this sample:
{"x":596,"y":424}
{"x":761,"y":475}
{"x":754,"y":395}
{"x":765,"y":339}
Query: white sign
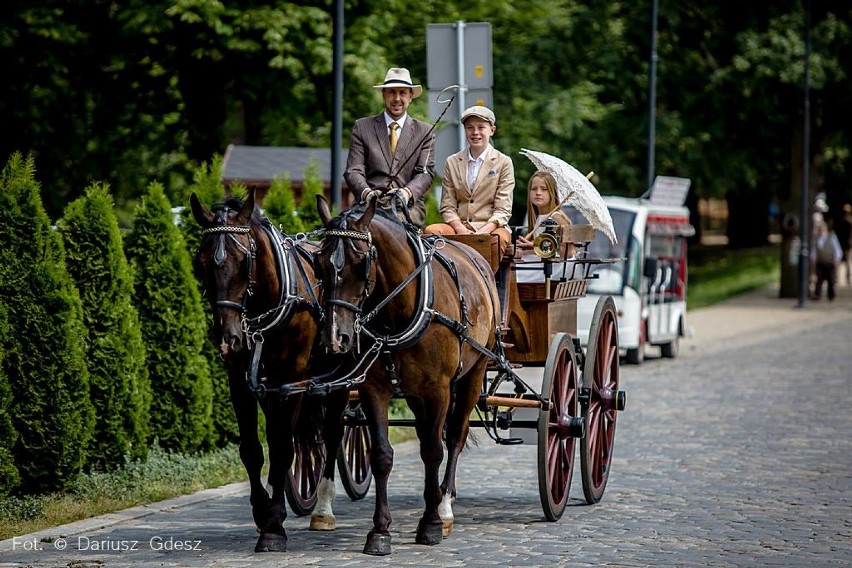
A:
{"x":669,"y":190}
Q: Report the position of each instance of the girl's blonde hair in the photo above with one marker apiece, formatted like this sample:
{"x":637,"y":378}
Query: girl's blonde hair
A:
{"x":550,"y":183}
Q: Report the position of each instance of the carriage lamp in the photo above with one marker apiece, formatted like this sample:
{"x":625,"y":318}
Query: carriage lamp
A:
{"x":546,"y":245}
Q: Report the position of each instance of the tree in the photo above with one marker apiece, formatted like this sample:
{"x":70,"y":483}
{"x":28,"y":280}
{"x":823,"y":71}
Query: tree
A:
{"x":311,"y":187}
{"x":9,"y":478}
{"x":44,"y":349}
{"x":173,"y":320}
{"x":118,"y":380}
{"x":279,"y":205}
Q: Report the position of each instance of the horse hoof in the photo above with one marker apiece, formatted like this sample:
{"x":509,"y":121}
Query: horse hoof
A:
{"x":378,"y":544}
{"x":323,"y":523}
{"x":429,"y":534}
{"x":447,"y":527}
{"x":271,"y":542}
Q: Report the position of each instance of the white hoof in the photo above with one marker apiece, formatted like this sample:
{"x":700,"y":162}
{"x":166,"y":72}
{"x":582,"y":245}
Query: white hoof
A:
{"x":323,"y":523}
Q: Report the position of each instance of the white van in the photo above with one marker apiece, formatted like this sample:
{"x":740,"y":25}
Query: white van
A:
{"x":649,"y":284}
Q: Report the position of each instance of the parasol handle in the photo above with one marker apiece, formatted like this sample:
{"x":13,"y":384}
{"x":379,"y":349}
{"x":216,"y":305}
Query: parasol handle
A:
{"x":555,"y":209}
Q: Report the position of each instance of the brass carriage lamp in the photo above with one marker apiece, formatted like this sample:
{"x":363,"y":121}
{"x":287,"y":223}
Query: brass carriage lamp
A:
{"x":547,"y":244}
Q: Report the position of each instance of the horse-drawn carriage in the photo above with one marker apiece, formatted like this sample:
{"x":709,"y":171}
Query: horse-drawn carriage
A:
{"x":441,"y":323}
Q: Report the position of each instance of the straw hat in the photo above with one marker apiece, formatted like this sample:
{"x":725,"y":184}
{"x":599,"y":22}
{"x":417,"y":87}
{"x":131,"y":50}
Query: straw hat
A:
{"x":399,"y":77}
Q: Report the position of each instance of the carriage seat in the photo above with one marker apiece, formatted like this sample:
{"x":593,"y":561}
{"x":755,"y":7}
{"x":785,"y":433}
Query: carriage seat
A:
{"x":486,"y":245}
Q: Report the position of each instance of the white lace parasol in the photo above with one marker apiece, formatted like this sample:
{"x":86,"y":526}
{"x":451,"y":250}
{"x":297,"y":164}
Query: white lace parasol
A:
{"x":575,"y":190}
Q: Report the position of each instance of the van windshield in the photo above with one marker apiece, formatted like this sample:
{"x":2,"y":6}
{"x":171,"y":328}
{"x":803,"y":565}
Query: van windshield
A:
{"x":611,"y":278}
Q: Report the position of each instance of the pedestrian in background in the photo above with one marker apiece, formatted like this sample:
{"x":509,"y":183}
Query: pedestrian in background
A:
{"x":825,"y":255}
{"x":843,"y":229}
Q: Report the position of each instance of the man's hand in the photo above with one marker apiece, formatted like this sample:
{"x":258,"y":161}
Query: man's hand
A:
{"x":369,"y":194}
{"x":401,"y":193}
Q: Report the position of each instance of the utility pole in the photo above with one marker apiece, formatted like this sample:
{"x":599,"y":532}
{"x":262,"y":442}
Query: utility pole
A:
{"x":337,"y":118}
{"x":804,"y":228}
{"x":652,"y":99}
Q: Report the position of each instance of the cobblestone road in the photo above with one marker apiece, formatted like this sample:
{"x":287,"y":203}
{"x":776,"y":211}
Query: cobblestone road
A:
{"x":738,"y":453}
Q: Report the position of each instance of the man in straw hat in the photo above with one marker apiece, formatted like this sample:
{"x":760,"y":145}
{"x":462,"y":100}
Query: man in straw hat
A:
{"x":391,"y":154}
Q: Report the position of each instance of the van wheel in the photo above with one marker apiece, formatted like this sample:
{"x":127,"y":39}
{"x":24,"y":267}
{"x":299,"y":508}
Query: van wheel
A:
{"x":637,"y":355}
{"x":670,"y":350}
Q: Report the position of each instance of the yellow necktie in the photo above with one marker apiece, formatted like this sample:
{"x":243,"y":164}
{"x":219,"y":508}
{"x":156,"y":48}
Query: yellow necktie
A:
{"x":394,"y":137}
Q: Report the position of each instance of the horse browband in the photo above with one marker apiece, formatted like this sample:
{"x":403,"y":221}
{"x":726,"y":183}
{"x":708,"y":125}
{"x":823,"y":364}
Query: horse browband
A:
{"x":226,"y":229}
{"x":349,"y":234}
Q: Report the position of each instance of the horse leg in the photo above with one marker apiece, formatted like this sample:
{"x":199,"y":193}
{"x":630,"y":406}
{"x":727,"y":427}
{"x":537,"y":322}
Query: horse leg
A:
{"x":279,"y":439}
{"x":322,"y":518}
{"x":467,"y":391}
{"x":429,"y":417}
{"x":251,"y":450}
{"x":375,"y":407}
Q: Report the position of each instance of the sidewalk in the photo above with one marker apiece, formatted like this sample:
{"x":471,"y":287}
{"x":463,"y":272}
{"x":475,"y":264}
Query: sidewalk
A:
{"x":756,"y":315}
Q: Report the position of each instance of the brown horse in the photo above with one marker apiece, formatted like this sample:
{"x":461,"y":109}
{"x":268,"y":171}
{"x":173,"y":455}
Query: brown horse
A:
{"x":261,"y":289}
{"x":427,"y":317}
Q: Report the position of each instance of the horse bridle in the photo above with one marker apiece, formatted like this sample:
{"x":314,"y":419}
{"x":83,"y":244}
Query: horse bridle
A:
{"x":337,"y":261}
{"x":220,"y":254}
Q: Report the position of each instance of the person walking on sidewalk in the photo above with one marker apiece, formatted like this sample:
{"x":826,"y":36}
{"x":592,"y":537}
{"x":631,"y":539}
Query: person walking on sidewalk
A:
{"x":825,"y":254}
{"x":843,"y":229}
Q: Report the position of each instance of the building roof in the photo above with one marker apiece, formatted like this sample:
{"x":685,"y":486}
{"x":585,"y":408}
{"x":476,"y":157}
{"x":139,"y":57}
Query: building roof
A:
{"x":259,"y":165}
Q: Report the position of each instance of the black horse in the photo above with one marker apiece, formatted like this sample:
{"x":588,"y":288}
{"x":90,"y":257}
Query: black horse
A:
{"x":426,"y":318}
{"x":262,"y":291}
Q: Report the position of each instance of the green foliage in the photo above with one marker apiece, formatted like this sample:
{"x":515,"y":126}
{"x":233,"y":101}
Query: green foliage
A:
{"x":172,"y":319}
{"x":9,"y":477}
{"x":311,"y":187}
{"x":118,"y":378}
{"x":44,"y":350}
{"x":716,"y":274}
{"x":280,"y":206}
{"x":163,"y":475}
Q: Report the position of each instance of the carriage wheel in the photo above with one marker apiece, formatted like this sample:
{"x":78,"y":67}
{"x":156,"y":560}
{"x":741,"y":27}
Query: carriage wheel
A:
{"x":303,"y":479}
{"x":601,"y":400}
{"x":353,"y":459}
{"x":558,"y":427}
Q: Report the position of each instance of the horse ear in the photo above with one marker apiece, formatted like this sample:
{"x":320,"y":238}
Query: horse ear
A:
{"x":364,"y":221}
{"x":322,"y":209}
{"x":244,"y":216}
{"x":202,"y":216}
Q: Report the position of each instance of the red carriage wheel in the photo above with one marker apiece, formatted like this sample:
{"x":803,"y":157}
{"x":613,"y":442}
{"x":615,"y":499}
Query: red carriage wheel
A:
{"x":353,"y":459}
{"x":601,"y":400}
{"x":303,"y":478}
{"x":558,"y":427}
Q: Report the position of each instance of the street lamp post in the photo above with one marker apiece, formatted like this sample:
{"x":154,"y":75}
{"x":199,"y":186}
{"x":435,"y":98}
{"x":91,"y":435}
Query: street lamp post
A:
{"x":652,"y":98}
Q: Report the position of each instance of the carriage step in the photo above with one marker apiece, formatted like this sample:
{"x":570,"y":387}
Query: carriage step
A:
{"x":510,"y":441}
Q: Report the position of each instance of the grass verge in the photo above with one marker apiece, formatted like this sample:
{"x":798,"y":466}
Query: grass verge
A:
{"x":164,"y":475}
{"x":718,"y":273}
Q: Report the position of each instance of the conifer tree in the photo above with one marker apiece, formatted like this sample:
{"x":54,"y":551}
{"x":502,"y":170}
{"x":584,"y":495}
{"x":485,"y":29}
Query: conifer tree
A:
{"x":280,"y":206}
{"x":311,"y":187}
{"x":118,"y":378}
{"x":173,"y":321}
{"x":44,"y":349}
{"x":9,"y":477}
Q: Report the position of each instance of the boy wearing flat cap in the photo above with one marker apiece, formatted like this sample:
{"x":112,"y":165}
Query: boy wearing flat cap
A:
{"x":478,"y":184}
{"x":391,"y":154}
